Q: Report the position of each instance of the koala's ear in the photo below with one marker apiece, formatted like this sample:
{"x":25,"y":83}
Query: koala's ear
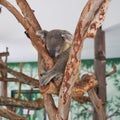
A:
{"x":67,"y":37}
{"x":42,"y":34}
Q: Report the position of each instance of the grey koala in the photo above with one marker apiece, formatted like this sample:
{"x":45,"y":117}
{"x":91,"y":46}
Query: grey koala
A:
{"x":58,"y":44}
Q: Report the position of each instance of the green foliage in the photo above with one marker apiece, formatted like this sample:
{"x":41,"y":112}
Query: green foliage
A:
{"x":81,"y":111}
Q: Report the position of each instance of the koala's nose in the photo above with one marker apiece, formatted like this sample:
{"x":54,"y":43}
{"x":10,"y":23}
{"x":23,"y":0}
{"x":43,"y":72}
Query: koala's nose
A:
{"x":52,"y":53}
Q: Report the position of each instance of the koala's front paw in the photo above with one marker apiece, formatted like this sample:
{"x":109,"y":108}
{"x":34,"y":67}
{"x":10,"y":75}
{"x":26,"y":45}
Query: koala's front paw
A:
{"x":44,"y":80}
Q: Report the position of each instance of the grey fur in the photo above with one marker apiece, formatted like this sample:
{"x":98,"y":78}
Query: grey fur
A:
{"x":56,"y":41}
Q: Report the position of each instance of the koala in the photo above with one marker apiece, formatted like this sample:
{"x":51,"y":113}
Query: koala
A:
{"x":56,"y":41}
{"x":58,"y":44}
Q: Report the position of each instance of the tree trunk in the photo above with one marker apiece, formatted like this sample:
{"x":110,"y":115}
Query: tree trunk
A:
{"x":100,"y":66}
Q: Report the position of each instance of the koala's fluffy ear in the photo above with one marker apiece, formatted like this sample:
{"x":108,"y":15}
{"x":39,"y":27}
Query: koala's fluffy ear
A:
{"x":42,"y":34}
{"x":68,"y":37}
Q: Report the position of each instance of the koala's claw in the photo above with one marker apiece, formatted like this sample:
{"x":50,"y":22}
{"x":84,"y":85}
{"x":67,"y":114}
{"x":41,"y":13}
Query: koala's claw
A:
{"x":44,"y":81}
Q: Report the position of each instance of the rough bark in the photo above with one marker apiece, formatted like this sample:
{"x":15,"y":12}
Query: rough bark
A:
{"x":100,"y":69}
{"x":36,"y":104}
{"x":89,"y":13}
{"x":98,"y":105}
{"x":10,"y":115}
{"x":9,"y":79}
{"x":28,"y":14}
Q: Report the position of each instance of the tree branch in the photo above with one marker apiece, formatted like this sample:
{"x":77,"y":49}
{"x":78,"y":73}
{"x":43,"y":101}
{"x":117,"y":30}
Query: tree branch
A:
{"x":10,"y":115}
{"x":36,"y":104}
{"x":9,"y":79}
{"x":112,"y":72}
{"x":4,"y":54}
{"x":86,"y":83}
{"x":28,"y":14}
{"x":71,"y":72}
{"x":50,"y":106}
{"x":98,"y":104}
{"x":37,"y":42}
{"x":20,"y":76}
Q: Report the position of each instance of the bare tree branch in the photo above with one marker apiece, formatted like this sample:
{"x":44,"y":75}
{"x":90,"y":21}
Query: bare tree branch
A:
{"x":71,"y":72}
{"x":10,"y":115}
{"x":98,"y":104}
{"x":82,"y":86}
{"x":36,"y":104}
{"x":9,"y":79}
{"x":28,"y":14}
{"x":4,"y":54}
{"x":37,"y":42}
{"x":22,"y":77}
{"x":112,"y":72}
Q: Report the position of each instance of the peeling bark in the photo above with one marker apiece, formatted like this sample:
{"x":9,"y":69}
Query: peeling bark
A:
{"x":87,"y":16}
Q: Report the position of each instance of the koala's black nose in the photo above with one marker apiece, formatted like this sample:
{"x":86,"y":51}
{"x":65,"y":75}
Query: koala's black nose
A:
{"x":52,"y":53}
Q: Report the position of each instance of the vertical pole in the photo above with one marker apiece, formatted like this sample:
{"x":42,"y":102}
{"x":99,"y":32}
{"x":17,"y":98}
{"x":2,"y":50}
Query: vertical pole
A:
{"x":100,"y":67}
{"x":4,"y":77}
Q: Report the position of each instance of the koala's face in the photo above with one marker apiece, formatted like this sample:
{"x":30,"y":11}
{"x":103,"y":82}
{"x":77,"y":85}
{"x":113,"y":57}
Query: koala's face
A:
{"x":55,"y":41}
{"x":54,"y":47}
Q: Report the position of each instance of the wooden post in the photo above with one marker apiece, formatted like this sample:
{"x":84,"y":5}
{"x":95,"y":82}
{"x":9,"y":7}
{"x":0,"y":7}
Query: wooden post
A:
{"x":5,"y":76}
{"x":100,"y":67}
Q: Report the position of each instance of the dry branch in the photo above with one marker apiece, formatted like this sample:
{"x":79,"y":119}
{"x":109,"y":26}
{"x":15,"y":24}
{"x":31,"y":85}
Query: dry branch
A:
{"x":22,"y":77}
{"x":85,"y":84}
{"x":36,"y":104}
{"x":4,"y":54}
{"x":50,"y":105}
{"x":37,"y":42}
{"x":98,"y":19}
{"x":28,"y":14}
{"x":112,"y":72}
{"x":9,"y":79}
{"x":10,"y":115}
{"x":89,"y":13}
{"x":98,"y":104}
